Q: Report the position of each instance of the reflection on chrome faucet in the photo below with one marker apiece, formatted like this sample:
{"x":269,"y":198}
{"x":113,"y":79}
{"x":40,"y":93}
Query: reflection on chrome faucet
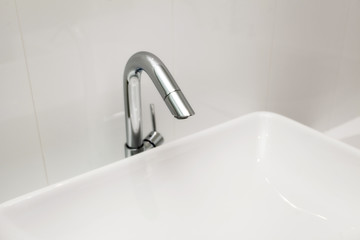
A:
{"x":169,"y":91}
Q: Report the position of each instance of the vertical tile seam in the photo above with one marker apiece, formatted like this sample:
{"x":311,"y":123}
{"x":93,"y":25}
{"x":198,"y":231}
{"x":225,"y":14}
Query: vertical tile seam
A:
{"x":269,"y":77}
{"x":172,"y":45}
{"x":341,"y":62}
{"x":31,"y":92}
{"x":172,"y":26}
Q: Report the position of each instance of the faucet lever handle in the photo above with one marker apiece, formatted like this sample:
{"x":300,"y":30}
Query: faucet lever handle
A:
{"x":154,"y":138}
{"x":152,"y":112}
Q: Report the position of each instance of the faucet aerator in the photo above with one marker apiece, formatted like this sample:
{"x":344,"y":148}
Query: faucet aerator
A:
{"x":181,"y":117}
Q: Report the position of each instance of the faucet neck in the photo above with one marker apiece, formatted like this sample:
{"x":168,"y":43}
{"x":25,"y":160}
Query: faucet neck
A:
{"x":166,"y":86}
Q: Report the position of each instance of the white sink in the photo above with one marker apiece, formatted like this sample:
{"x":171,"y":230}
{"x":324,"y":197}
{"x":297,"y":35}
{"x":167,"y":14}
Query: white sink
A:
{"x":261,"y":176}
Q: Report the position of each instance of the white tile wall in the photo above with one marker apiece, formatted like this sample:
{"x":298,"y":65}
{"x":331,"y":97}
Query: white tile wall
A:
{"x":21,"y":163}
{"x":306,"y":54}
{"x":76,"y":64}
{"x":298,"y":58}
{"x":345,"y":117}
{"x":222,"y":55}
{"x":347,"y":95}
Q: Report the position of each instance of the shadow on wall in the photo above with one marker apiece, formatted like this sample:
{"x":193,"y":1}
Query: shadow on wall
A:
{"x":348,"y":132}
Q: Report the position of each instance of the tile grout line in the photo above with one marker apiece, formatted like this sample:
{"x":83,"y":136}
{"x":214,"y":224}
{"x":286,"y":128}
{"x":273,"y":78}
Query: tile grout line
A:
{"x":31,"y":93}
{"x":270,"y":58}
{"x":340,"y":66}
{"x":173,"y":57}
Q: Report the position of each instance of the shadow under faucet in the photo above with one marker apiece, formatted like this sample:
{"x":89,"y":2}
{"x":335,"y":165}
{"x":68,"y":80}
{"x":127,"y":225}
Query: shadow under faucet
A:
{"x":168,"y":89}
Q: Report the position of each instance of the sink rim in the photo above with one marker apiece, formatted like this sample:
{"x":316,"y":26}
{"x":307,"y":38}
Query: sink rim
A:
{"x":271,"y":176}
{"x":143,"y":156}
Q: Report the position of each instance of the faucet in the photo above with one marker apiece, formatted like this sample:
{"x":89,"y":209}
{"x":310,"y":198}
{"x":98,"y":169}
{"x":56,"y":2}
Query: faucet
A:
{"x":169,"y":91}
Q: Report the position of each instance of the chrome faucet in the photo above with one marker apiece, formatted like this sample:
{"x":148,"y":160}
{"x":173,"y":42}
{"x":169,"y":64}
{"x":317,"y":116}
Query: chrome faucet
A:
{"x":169,"y":91}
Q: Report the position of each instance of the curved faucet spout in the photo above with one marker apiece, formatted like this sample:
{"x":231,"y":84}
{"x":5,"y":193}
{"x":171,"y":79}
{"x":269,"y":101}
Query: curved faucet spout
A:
{"x":165,"y":84}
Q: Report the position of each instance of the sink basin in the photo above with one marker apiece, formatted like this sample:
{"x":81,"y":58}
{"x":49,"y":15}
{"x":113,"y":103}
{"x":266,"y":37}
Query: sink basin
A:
{"x":261,"y":176}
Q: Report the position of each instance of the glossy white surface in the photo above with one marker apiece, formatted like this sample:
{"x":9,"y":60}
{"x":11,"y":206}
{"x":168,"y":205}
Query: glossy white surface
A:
{"x":261,"y":176}
{"x":306,"y":58}
{"x":77,"y":51}
{"x":298,"y":58}
{"x":21,"y":163}
{"x":229,"y":34}
{"x":348,"y":132}
{"x":347,"y":93}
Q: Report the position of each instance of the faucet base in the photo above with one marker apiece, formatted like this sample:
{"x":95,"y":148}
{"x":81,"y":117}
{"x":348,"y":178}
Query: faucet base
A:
{"x":132,"y":151}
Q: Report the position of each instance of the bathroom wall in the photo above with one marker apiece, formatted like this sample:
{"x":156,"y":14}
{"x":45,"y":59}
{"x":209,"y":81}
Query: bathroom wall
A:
{"x":61,"y":66}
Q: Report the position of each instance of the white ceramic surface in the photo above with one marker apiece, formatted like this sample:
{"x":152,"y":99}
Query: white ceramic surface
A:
{"x":77,"y":51}
{"x":348,"y":132}
{"x":21,"y":163}
{"x":307,"y":50}
{"x":222,"y":54}
{"x":298,"y":58}
{"x":261,"y":176}
{"x":347,"y":95}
